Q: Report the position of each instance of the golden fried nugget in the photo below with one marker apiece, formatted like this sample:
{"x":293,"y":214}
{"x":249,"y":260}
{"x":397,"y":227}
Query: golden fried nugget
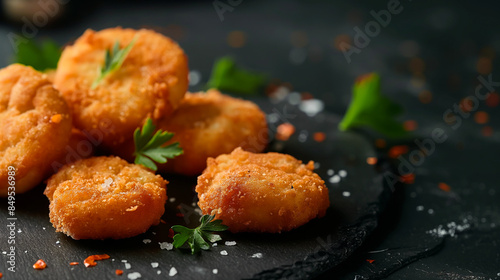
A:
{"x":207,"y":125}
{"x":35,"y":125}
{"x":150,"y":83}
{"x":261,"y":192}
{"x":105,"y":197}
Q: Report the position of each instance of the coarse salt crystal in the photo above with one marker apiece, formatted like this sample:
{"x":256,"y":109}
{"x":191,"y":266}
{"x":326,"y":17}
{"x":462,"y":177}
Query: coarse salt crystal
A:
{"x":127,"y":266}
{"x":154,"y":264}
{"x":230,"y":243}
{"x":223,"y":252}
{"x":346,"y":194}
{"x":134,"y":275}
{"x":172,"y":272}
{"x":215,"y":271}
{"x":334,"y":179}
{"x":342,"y":173}
{"x":420,"y":208}
{"x":166,"y":245}
{"x":257,"y":255}
{"x":146,"y":241}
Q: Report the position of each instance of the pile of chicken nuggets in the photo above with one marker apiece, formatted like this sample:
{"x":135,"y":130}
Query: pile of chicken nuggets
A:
{"x":45,"y":117}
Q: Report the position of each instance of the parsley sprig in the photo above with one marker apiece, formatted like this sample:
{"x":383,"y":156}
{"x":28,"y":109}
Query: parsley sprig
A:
{"x":196,"y":237}
{"x":148,"y":146}
{"x":113,"y":61}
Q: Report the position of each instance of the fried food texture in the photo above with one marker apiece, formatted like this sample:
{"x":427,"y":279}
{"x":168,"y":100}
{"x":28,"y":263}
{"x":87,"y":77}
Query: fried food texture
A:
{"x":35,"y":125}
{"x":261,"y":192}
{"x":105,"y":197}
{"x":207,"y":125}
{"x":150,"y":83}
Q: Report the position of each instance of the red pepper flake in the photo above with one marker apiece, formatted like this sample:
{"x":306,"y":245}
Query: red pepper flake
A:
{"x":445,"y":187}
{"x":425,"y":97}
{"x":493,"y":99}
{"x":171,"y":233}
{"x":371,"y":160}
{"x":162,"y":221}
{"x":74,"y":263}
{"x":410,"y":125}
{"x":118,"y":272}
{"x":56,"y":118}
{"x":487,"y":131}
{"x":90,"y":260}
{"x":284,"y":131}
{"x":396,"y":151}
{"x":370,"y":261}
{"x":179,"y":215}
{"x":319,"y":136}
{"x":481,"y":117}
{"x":380,"y":143}
{"x":1,"y":275}
{"x":40,"y":265}
{"x":408,"y":178}
{"x":466,"y":105}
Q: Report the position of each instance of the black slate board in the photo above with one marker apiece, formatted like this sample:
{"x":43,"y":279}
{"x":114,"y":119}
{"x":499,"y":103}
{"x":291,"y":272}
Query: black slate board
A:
{"x":302,"y":253}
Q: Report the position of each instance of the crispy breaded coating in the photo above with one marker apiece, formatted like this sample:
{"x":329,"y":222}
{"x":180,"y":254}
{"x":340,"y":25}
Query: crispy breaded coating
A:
{"x":105,"y":197}
{"x":35,"y":125}
{"x":207,"y":125}
{"x":261,"y":192}
{"x":150,"y":83}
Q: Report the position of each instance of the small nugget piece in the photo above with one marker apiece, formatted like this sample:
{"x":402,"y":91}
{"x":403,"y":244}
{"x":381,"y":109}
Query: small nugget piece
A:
{"x":105,"y":197}
{"x":35,"y":126}
{"x":207,"y":125}
{"x":261,"y":192}
{"x":150,"y":83}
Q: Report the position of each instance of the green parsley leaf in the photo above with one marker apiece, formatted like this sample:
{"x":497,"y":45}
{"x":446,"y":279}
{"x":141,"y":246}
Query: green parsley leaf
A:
{"x":41,"y":57}
{"x":113,"y":60}
{"x":196,"y":237}
{"x":148,"y":146}
{"x":369,"y":108}
{"x":227,"y":76}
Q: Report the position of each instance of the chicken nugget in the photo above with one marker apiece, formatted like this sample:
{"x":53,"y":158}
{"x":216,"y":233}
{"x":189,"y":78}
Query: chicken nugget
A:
{"x":207,"y":125}
{"x":35,"y":125}
{"x":105,"y":197}
{"x":150,"y":83}
{"x":261,"y":192}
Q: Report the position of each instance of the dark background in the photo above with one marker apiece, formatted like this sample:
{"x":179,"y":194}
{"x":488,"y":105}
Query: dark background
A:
{"x":436,"y":47}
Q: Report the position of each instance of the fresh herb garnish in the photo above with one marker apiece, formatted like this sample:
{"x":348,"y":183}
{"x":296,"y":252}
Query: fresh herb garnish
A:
{"x":113,"y":61}
{"x":148,"y":147}
{"x":227,"y":76}
{"x":42,"y":56}
{"x":196,"y":237}
{"x":369,"y":108}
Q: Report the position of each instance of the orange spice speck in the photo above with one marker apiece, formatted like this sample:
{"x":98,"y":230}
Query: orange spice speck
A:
{"x":90,"y":260}
{"x":162,"y":221}
{"x":1,"y":275}
{"x":396,"y":151}
{"x":284,"y":131}
{"x":380,"y":143}
{"x":370,"y":261}
{"x":487,"y":131}
{"x":481,"y":117}
{"x":466,"y":105}
{"x":408,"y":178}
{"x":371,"y":160}
{"x":118,"y":272}
{"x":40,"y":265}
{"x":445,"y":187}
{"x":410,"y":125}
{"x":425,"y":97}
{"x":74,"y":263}
{"x":493,"y":99}
{"x":56,"y":118}
{"x":319,"y":136}
{"x":306,"y":96}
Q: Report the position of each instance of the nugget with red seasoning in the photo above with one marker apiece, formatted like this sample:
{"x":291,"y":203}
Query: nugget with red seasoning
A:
{"x":35,"y":126}
{"x":261,"y":192}
{"x":105,"y":197}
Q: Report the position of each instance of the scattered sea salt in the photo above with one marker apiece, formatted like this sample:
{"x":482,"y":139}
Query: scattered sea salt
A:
{"x":330,"y":172}
{"x":172,"y":199}
{"x":124,"y":261}
{"x":43,"y":228}
{"x":311,"y":107}
{"x":215,"y":271}
{"x":134,"y":275}
{"x":257,"y":255}
{"x":214,"y":245}
{"x":166,"y":245}
{"x":450,"y":229}
{"x":420,"y":208}
{"x":430,"y":211}
{"x":230,"y":243}
{"x":346,"y":194}
{"x":154,"y":264}
{"x":172,"y":272}
{"x":334,"y":179}
{"x":223,"y":252}
{"x":294,"y":98}
{"x":57,"y":242}
{"x":194,"y":77}
{"x":106,"y":184}
{"x":127,"y":266}
{"x":342,"y":173}
{"x":146,"y":241}
{"x":303,"y":136}
{"x":158,"y":272}
{"x":317,"y":165}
